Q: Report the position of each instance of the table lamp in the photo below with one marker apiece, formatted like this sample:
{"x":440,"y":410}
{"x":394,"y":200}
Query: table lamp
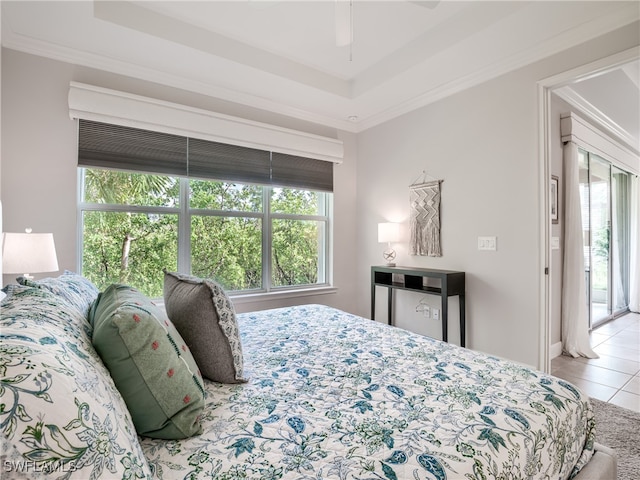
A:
{"x":26,"y":253}
{"x":389,"y":232}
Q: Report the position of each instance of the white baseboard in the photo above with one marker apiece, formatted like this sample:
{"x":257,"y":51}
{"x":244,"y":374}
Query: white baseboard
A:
{"x":555,"y":350}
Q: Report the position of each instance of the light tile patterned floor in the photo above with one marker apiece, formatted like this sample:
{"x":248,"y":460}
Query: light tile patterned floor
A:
{"x":615,"y":376}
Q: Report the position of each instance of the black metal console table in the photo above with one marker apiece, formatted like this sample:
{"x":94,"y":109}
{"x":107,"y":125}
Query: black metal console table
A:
{"x":408,"y":278}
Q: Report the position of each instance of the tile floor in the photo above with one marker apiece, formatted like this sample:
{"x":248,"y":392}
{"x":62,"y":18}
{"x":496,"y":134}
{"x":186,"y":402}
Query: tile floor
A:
{"x":615,"y":376}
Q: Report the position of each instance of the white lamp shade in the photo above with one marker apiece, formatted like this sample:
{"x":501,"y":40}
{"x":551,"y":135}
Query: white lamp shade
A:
{"x":388,"y":232}
{"x":29,"y":253}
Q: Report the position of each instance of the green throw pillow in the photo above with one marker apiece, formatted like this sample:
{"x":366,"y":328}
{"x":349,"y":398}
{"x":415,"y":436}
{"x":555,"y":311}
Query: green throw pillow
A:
{"x":204,"y":315}
{"x":149,"y":362}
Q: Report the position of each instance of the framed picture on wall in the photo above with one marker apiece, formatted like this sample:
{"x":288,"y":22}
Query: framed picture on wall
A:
{"x":554,"y":199}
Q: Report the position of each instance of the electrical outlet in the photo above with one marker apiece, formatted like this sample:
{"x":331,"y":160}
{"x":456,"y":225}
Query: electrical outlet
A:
{"x":436,"y":314}
{"x":487,"y":243}
{"x":426,"y":311}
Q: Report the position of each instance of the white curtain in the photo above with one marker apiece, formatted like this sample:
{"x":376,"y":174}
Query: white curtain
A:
{"x":634,"y":285}
{"x":575,"y":323}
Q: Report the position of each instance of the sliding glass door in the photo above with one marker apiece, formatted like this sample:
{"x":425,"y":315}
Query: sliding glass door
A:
{"x":620,"y":245}
{"x":604,"y":195}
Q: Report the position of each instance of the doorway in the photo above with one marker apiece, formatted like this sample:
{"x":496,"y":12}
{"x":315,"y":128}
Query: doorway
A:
{"x":547,"y":135}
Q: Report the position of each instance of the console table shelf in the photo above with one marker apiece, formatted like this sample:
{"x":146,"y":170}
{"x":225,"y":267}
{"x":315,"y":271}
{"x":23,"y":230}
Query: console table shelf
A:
{"x":452,"y":283}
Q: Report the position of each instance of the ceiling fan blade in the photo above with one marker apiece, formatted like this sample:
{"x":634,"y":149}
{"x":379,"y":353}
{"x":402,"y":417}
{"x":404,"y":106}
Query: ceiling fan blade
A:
{"x":430,"y":4}
{"x":344,"y":26}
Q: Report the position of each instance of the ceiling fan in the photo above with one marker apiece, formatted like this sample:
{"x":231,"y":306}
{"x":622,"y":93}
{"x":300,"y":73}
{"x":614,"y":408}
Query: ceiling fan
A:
{"x":344,"y":18}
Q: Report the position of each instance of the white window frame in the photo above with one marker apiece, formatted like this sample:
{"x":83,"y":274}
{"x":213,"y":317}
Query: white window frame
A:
{"x":184,"y":213}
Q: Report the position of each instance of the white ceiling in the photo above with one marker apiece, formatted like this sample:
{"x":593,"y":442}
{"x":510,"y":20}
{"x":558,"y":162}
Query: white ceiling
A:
{"x":281,"y":56}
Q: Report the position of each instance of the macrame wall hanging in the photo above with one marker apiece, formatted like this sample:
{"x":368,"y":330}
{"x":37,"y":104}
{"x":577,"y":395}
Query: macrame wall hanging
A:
{"x":424,"y":223}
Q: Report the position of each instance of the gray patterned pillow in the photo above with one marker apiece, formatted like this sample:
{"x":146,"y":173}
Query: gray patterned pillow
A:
{"x":203,"y":314}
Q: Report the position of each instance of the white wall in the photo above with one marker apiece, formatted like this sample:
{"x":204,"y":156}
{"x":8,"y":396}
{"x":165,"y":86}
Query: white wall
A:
{"x":39,"y":152}
{"x":483,"y":143}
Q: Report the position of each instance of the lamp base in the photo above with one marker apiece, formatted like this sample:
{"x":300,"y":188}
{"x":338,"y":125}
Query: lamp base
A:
{"x":389,"y":255}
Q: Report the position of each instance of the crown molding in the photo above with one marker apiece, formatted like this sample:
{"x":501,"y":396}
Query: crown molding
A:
{"x":573,"y":128}
{"x":597,"y":116}
{"x":571,"y":38}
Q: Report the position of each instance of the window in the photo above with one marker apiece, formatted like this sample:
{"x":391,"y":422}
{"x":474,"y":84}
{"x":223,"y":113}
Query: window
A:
{"x":129,"y":228}
{"x":259,"y":235}
{"x":250,"y":238}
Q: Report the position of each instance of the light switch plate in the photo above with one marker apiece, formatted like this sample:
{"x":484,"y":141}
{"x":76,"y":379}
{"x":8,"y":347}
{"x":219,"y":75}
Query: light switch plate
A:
{"x":487,"y":243}
{"x":555,"y":243}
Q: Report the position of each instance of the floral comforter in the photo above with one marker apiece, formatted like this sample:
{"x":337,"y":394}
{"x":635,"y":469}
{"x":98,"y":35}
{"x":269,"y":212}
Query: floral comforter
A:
{"x":335,"y":396}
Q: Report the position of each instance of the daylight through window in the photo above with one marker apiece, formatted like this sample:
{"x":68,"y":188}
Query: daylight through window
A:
{"x":249,"y":238}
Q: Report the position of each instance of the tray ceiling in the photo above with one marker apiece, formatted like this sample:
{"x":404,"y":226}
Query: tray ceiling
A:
{"x":282,"y":56}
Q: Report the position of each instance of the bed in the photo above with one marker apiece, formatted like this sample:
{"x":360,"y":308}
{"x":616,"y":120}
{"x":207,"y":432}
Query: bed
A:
{"x":335,"y":396}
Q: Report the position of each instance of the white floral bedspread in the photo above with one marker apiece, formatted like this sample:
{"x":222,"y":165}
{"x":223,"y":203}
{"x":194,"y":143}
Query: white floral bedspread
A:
{"x":335,"y":396}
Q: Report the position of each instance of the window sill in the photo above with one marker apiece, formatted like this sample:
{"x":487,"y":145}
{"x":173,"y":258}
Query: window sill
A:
{"x":247,"y":298}
{"x":277,"y":295}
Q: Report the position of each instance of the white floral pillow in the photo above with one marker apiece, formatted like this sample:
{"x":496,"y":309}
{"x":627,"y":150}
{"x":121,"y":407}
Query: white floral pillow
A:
{"x":62,"y":413}
{"x":75,"y":289}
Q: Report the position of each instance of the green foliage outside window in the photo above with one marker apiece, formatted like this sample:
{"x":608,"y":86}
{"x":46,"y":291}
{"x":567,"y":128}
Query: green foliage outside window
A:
{"x":227,"y":249}
{"x":204,"y":194}
{"x":295,"y":243}
{"x":129,"y":248}
{"x":131,"y":232}
{"x":125,"y":188}
{"x":295,"y":247}
{"x":601,"y":239}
